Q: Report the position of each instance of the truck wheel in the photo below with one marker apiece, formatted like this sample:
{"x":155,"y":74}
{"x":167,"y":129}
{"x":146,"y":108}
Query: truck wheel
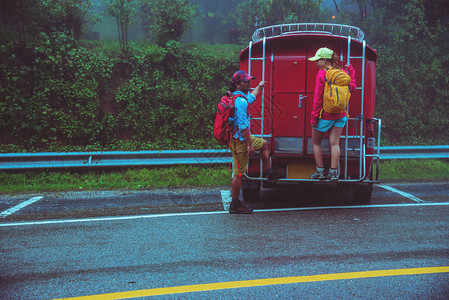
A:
{"x":250,"y":190}
{"x":361,"y":194}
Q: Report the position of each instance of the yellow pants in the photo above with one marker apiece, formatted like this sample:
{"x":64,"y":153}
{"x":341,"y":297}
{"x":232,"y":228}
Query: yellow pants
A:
{"x":240,"y":153}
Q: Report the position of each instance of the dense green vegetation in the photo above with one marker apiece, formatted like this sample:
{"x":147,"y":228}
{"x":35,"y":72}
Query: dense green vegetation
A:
{"x":61,"y":93}
{"x":79,"y":95}
{"x":413,"y":69}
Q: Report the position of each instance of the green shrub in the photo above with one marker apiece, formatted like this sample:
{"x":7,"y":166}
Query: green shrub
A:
{"x":51,"y":92}
{"x":62,"y":95}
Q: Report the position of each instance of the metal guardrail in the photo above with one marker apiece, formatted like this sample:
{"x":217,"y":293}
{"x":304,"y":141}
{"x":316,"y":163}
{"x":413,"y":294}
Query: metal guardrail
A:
{"x":28,"y":161}
{"x":414,"y":152}
{"x":16,"y":161}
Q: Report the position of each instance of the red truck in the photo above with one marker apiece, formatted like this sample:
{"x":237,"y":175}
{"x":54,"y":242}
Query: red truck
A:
{"x":281,"y":114}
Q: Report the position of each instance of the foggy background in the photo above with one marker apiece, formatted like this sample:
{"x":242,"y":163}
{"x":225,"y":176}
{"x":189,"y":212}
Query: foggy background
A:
{"x":212,"y":23}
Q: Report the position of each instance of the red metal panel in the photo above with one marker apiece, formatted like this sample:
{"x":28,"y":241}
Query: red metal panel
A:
{"x":256,"y":108}
{"x":309,"y":105}
{"x":289,"y":74}
{"x":370,"y":89}
{"x":312,"y":70}
{"x":354,"y":105}
{"x":289,"y":83}
{"x":290,"y":120}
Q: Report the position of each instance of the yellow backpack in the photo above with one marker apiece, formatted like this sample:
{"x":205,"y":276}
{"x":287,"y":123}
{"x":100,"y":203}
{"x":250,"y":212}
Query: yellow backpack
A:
{"x":336,"y":91}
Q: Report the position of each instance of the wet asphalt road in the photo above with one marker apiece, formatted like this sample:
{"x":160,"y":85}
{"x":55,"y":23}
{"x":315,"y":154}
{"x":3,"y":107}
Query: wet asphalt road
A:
{"x":108,"y":242}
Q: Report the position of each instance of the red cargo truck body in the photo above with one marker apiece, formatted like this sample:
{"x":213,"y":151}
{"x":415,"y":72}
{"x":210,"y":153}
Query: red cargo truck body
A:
{"x":281,"y":114}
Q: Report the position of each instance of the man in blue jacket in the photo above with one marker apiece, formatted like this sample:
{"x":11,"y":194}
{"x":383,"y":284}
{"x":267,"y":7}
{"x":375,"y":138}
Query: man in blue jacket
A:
{"x":243,"y":143}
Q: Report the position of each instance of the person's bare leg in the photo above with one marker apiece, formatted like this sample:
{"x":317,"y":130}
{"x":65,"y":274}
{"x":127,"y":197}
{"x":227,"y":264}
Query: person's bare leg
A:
{"x":317,"y":137}
{"x":235,"y":187}
{"x":334,"y":141}
{"x":265,"y":155}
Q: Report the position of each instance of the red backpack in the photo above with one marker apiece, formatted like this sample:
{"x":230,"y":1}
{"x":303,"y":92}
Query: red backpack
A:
{"x":223,"y":128}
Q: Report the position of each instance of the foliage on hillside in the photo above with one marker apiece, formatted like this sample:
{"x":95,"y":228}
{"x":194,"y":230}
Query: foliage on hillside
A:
{"x":58,"y":94}
{"x":412,"y":40}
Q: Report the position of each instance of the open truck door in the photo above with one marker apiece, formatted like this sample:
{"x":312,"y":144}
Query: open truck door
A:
{"x":281,"y":114}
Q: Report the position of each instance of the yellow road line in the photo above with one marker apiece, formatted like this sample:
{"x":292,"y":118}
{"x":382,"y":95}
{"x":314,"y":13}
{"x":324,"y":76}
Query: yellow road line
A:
{"x":264,"y":282}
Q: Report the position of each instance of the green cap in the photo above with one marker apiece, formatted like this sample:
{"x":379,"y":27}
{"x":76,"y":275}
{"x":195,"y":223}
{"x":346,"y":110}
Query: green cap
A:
{"x":322,"y":53}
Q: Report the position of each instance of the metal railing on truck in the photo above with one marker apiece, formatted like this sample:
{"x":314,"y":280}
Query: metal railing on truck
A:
{"x":322,"y":28}
{"x":349,"y":32}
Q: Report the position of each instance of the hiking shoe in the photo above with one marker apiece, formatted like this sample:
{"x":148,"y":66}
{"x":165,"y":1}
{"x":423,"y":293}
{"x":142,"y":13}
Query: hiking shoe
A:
{"x":276,"y":175}
{"x":318,"y":175}
{"x":240,"y":208}
{"x":332,"y":176}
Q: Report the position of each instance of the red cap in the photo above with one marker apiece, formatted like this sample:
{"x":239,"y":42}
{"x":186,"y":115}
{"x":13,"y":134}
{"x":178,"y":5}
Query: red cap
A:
{"x":241,"y":76}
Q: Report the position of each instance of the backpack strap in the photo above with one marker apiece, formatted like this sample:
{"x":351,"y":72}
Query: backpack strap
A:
{"x":328,"y":82}
{"x":239,"y":95}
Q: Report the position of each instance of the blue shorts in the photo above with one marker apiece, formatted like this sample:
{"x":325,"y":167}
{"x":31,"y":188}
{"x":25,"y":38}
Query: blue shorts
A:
{"x":325,"y":125}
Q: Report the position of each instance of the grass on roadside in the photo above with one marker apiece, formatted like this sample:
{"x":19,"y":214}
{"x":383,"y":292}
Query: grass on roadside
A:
{"x":38,"y":181}
{"x":414,"y":169}
{"x":182,"y":176}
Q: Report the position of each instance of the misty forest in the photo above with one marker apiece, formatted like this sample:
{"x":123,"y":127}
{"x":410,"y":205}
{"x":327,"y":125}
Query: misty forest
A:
{"x":88,"y":75}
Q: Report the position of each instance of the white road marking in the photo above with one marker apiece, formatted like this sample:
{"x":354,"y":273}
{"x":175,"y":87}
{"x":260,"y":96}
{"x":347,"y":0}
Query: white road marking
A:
{"x":407,"y":195}
{"x":216,"y":213}
{"x":19,"y":206}
{"x":226,"y":199}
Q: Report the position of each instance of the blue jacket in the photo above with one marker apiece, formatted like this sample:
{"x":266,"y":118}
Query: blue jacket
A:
{"x":241,"y":115}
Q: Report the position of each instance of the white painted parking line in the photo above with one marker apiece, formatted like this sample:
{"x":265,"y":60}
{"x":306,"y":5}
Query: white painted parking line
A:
{"x":226,"y":199}
{"x":220,"y":212}
{"x":404,"y":194}
{"x":19,"y":206}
